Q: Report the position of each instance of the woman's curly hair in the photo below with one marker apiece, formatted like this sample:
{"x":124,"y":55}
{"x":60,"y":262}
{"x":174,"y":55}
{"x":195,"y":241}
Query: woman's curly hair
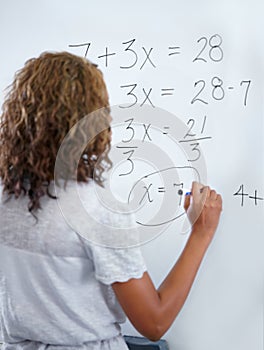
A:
{"x":48,"y":96}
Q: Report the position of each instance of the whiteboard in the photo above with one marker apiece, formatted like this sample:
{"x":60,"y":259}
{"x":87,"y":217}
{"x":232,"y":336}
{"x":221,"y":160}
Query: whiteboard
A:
{"x":201,"y":62}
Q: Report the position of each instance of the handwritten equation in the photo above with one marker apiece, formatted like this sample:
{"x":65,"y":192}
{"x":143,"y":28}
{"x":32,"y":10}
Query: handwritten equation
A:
{"x":145,"y":190}
{"x":192,"y":137}
{"x":131,"y":55}
{"x":210,"y":50}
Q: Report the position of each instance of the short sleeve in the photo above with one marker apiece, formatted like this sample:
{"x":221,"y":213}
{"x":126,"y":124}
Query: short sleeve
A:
{"x":108,"y":233}
{"x":120,"y":260}
{"x":116,"y":264}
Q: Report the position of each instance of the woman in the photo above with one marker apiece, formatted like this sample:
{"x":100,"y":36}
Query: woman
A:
{"x":57,"y":289}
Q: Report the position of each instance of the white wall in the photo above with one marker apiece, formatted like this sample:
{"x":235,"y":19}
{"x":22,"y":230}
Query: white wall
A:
{"x":225,"y":306}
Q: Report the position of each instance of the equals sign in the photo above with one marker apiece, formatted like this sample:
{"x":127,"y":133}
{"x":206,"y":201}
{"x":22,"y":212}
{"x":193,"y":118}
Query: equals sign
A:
{"x":161,"y":189}
{"x":166,"y":128}
{"x":166,"y":92}
{"x":176,"y":49}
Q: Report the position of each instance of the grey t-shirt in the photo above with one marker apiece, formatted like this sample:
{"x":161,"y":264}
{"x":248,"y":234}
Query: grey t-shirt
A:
{"x":55,"y":285}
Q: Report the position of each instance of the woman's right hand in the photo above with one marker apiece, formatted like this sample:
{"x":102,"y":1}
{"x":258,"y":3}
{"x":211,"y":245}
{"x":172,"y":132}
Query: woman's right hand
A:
{"x":203,"y":208}
{"x":152,"y":311}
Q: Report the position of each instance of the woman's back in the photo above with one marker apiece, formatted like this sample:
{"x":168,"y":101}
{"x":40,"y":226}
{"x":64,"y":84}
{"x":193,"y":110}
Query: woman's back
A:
{"x":55,"y":285}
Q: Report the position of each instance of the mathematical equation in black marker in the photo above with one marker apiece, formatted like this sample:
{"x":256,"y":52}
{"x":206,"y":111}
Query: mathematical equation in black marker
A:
{"x":151,"y":189}
{"x":205,"y":95}
{"x":133,"y":56}
{"x":147,"y":190}
{"x":143,"y":131}
{"x":209,"y":50}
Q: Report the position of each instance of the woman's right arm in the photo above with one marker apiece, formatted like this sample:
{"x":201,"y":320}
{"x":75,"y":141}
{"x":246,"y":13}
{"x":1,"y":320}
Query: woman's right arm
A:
{"x":152,"y":310}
